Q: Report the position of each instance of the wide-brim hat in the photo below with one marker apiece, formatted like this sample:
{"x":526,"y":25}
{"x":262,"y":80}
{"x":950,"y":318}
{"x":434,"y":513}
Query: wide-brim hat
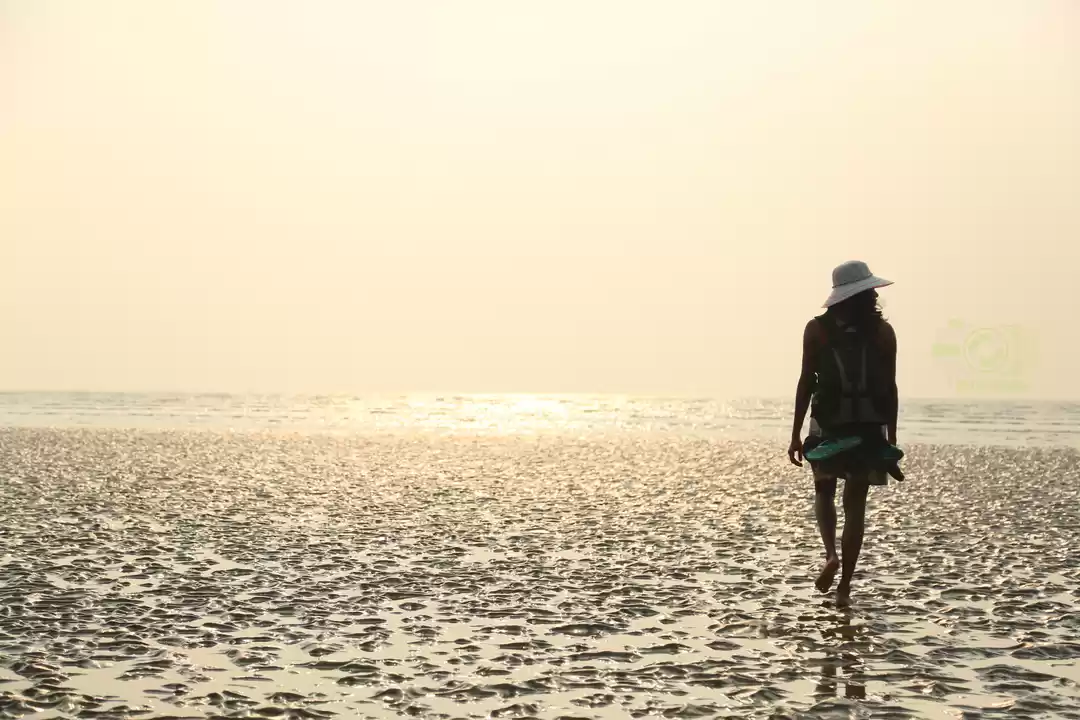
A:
{"x":852,"y":278}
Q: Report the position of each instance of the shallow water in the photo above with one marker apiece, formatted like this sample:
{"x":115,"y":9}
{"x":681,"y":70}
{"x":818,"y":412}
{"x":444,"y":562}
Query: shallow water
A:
{"x":203,"y":573}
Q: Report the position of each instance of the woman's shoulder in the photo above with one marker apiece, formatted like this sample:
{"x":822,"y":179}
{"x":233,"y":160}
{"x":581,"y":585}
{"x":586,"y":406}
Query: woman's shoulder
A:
{"x":815,"y":332}
{"x":887,"y":334}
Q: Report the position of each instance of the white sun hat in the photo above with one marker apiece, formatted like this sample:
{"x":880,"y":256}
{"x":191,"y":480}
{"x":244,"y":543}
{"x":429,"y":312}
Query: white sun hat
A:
{"x":852,"y":278}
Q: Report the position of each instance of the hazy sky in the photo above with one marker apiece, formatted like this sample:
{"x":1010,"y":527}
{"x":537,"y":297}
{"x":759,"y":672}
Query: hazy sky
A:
{"x":557,"y":196}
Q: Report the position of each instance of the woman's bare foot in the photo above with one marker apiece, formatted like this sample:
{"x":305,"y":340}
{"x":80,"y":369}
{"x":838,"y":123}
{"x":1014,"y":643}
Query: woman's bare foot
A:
{"x":843,"y":593}
{"x":828,"y":572}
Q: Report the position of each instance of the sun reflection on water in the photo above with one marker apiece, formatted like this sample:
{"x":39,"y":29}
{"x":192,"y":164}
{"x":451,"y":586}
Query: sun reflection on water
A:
{"x":493,"y":413}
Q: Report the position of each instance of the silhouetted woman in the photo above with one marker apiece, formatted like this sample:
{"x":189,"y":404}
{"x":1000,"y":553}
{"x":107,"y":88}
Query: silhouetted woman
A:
{"x":848,"y":382}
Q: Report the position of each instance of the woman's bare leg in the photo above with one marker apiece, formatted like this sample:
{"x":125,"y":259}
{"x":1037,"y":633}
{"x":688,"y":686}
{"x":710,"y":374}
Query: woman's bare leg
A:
{"x":854,"y":525}
{"x":825,"y":512}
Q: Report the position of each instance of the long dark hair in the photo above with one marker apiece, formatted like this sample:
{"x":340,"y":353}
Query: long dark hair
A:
{"x":862,"y":310}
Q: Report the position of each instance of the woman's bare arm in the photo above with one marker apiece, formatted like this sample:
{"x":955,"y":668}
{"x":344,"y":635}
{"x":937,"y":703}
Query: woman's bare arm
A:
{"x":892,"y":409}
{"x":804,"y":390}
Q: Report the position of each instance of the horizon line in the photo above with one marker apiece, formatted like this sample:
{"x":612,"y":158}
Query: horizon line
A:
{"x":510,"y":394}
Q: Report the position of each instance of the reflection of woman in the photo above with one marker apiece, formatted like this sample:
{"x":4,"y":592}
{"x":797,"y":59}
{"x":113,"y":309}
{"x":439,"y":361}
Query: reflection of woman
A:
{"x":848,"y":382}
{"x":836,"y":660}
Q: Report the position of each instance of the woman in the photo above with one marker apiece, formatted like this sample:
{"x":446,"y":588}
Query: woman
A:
{"x":848,"y":382}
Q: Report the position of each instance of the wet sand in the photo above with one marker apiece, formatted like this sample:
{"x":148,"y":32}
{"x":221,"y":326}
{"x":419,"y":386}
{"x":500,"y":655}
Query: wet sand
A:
{"x":201,"y":574}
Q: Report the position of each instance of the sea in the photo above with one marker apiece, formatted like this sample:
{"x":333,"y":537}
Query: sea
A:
{"x":942,"y":421}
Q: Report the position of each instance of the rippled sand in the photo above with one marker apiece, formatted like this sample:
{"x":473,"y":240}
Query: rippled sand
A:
{"x":198,"y":574}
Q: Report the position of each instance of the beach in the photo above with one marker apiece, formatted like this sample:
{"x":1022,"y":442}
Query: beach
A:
{"x":372,"y":360}
{"x":197,"y":572}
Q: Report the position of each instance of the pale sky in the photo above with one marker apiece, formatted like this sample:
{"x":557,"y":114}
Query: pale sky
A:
{"x":619,"y":196}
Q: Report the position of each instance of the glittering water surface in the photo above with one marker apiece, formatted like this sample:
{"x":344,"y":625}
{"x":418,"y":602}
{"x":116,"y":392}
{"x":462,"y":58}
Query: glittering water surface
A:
{"x":200,"y":572}
{"x":1010,"y":423}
